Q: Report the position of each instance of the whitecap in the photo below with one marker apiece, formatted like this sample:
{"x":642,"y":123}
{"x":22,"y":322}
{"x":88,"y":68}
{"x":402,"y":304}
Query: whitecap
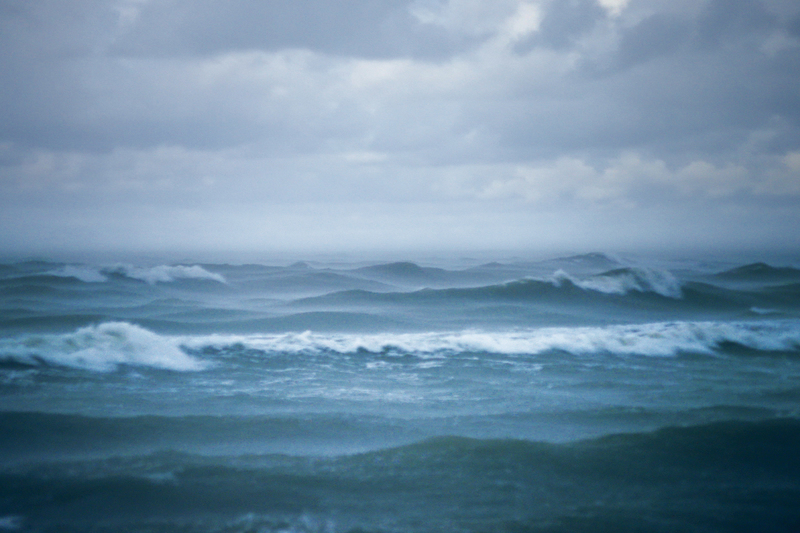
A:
{"x":625,"y":280}
{"x":653,"y":339}
{"x":101,"y":348}
{"x":164,"y":273}
{"x":83,"y":273}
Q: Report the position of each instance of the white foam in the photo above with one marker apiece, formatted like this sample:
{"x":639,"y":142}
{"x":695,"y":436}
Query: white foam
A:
{"x":152,"y":275}
{"x":763,"y":311}
{"x":165,"y":273}
{"x":631,"y":279}
{"x":655,"y":339}
{"x":83,"y":273}
{"x":101,"y":348}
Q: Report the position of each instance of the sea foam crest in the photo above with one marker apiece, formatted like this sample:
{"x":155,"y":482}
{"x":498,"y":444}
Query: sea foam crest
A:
{"x":164,"y":273}
{"x":655,"y":339}
{"x":101,"y":348}
{"x":625,"y":280}
{"x":83,"y":273}
{"x":152,"y":275}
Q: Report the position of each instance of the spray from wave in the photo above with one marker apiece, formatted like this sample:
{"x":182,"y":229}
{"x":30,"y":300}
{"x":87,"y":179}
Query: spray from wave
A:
{"x":151,"y":275}
{"x":83,"y":273}
{"x":624,"y":280}
{"x":166,"y":273}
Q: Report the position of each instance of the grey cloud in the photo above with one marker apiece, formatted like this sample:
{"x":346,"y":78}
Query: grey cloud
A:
{"x":562,"y":23}
{"x":656,"y":36}
{"x":670,"y":85}
{"x":244,"y":110}
{"x":363,"y":28}
{"x":676,"y":86}
{"x":81,"y":76}
{"x":726,"y":20}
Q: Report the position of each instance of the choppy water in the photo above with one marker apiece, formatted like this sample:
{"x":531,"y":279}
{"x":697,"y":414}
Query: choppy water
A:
{"x":586,"y":393}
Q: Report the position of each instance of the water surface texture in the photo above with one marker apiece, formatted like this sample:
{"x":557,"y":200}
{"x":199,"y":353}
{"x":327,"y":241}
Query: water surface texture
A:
{"x":586,"y":393}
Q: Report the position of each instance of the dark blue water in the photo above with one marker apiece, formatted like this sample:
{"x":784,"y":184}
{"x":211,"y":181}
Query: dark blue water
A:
{"x":587,"y":393}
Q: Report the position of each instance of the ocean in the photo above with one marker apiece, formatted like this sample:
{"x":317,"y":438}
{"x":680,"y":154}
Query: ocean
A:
{"x":590,"y":393}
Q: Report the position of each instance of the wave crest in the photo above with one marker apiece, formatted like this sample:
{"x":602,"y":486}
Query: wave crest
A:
{"x":624,"y":280}
{"x":83,"y":273}
{"x":151,"y":275}
{"x":654,"y":339}
{"x":165,"y":273}
{"x":101,"y":348}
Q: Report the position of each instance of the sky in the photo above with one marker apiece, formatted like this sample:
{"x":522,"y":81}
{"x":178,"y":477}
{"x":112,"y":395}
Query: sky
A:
{"x":321,"y":125}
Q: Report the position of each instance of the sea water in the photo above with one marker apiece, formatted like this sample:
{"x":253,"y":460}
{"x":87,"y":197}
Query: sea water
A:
{"x":585,"y":393}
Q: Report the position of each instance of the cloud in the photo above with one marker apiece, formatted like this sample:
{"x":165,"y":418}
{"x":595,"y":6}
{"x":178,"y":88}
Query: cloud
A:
{"x":614,"y":7}
{"x":170,"y":108}
{"x":629,"y":181}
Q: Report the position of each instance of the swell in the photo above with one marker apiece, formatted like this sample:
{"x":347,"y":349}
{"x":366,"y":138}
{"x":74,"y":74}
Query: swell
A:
{"x":37,"y":436}
{"x":566,"y":293}
{"x":204,"y":303}
{"x":761,"y":273}
{"x":727,"y":476}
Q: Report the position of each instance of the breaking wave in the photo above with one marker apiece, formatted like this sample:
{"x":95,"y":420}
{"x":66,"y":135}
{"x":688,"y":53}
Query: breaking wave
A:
{"x":655,"y":339}
{"x":151,"y":275}
{"x":83,"y":273}
{"x":165,"y":273}
{"x":100,"y":348}
{"x":106,"y":346}
{"x":624,"y":280}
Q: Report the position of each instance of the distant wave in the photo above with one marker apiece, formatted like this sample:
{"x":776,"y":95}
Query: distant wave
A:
{"x":100,"y":348}
{"x":760,"y":272}
{"x":151,"y":275}
{"x":624,"y":280}
{"x":655,"y":339}
{"x":83,"y":273}
{"x":559,"y":288}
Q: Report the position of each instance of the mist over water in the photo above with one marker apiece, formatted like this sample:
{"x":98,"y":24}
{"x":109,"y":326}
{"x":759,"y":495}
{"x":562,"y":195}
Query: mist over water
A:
{"x":580,"y":393}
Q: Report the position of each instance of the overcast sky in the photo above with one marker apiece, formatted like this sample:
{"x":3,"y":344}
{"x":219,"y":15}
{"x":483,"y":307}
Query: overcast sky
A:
{"x":247,"y":125}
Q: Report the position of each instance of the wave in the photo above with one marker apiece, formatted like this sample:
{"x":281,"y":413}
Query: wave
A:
{"x":559,"y":288}
{"x":760,"y":272}
{"x":151,"y":275}
{"x":593,"y":261}
{"x":727,"y":476}
{"x":405,"y":271}
{"x":83,"y":273}
{"x":625,"y":280}
{"x":654,"y":339}
{"x":164,"y":273}
{"x":106,"y":346}
{"x":100,"y":348}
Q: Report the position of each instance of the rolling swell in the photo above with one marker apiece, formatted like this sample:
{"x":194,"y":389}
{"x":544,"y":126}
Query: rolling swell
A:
{"x":605,"y":293}
{"x":674,"y":479}
{"x":45,"y":437}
